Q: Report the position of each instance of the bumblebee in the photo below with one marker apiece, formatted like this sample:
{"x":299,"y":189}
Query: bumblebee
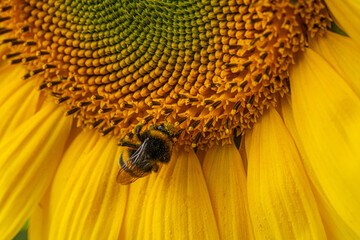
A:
{"x":144,"y":151}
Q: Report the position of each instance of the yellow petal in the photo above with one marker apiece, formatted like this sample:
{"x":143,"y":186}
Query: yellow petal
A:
{"x":42,"y":217}
{"x":242,"y":151}
{"x":38,"y":228}
{"x":327,"y":117}
{"x":226,"y":180}
{"x":347,"y":15}
{"x":287,"y":114}
{"x":88,"y":203}
{"x":28,"y":160}
{"x":10,"y":80}
{"x":176,"y":205}
{"x":18,"y":107}
{"x":334,"y":225}
{"x":281,"y":203}
{"x":134,"y":216}
{"x":342,"y":53}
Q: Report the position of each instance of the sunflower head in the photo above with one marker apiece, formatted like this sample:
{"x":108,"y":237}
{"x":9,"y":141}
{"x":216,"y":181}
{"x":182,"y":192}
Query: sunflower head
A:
{"x":207,"y":67}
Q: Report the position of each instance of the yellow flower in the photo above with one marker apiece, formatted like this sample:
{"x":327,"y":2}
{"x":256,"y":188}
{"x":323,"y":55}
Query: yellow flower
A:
{"x":269,"y":71}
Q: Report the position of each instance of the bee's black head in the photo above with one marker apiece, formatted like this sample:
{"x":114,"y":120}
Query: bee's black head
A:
{"x":165,"y":128}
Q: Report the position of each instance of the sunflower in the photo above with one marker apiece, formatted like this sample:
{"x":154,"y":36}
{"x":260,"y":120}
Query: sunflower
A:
{"x":77,"y":77}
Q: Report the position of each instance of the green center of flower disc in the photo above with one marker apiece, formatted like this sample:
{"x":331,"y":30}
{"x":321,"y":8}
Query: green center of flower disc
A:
{"x":208,"y":67}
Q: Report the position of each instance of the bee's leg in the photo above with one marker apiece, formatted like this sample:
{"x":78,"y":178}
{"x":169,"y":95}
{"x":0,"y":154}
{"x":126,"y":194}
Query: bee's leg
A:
{"x":122,"y":163}
{"x":127,"y":144}
{"x":137,"y":132}
{"x":155,"y":167}
{"x":127,"y":137}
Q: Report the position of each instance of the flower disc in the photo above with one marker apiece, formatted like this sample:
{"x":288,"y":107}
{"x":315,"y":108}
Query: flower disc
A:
{"x":208,"y":67}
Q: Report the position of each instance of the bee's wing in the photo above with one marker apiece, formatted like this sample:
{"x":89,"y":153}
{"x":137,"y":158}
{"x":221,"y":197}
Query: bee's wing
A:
{"x":133,"y":166}
{"x":124,"y":177}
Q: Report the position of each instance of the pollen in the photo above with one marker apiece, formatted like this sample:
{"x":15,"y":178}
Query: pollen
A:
{"x":208,"y":67}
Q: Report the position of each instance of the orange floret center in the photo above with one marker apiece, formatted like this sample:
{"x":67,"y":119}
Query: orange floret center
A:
{"x":209,"y":67}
